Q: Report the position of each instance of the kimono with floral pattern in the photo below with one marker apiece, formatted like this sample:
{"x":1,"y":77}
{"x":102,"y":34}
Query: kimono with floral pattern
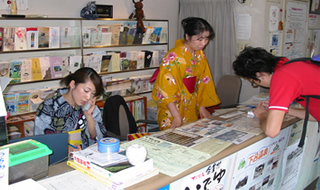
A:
{"x":176,"y":65}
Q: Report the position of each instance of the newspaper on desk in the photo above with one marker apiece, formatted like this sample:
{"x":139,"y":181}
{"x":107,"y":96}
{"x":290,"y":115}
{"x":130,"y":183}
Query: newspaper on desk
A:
{"x":233,"y":130}
{"x":171,"y":159}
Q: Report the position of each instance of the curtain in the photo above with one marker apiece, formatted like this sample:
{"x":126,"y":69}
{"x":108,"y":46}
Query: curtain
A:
{"x":220,"y":52}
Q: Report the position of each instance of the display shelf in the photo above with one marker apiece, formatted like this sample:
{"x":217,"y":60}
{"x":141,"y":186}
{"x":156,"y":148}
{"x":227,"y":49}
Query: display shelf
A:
{"x":19,"y":120}
{"x":77,"y":27}
{"x":150,"y":41}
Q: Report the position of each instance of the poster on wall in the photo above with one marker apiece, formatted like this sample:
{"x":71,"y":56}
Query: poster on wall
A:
{"x":274,"y":18}
{"x":313,"y":21}
{"x":243,"y":26}
{"x":295,"y":30}
{"x":258,"y":166}
{"x":275,"y":41}
{"x":211,"y":177}
{"x":313,"y":43}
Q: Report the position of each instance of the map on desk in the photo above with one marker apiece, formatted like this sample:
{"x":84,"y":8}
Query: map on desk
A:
{"x":171,"y":159}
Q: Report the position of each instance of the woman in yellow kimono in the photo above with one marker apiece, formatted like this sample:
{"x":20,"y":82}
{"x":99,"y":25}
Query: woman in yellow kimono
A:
{"x":184,"y":86}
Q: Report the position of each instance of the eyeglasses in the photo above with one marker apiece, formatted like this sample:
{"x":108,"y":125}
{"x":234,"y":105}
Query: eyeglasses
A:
{"x":253,"y":83}
{"x":202,"y":38}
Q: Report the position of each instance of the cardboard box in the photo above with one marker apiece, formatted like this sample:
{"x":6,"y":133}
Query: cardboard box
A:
{"x":27,"y":159}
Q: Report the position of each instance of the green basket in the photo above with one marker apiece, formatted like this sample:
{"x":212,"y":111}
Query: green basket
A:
{"x":24,"y":151}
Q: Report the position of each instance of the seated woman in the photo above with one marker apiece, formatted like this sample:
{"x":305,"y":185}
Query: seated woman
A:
{"x":63,"y":111}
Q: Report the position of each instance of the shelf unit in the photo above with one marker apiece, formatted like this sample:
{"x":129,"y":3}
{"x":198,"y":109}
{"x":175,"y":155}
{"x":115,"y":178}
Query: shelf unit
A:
{"x":19,"y":120}
{"x":80,"y":50}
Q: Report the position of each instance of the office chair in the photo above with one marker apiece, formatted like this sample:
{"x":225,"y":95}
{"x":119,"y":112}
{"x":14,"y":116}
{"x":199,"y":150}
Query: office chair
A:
{"x":118,"y":119}
{"x":228,"y":90}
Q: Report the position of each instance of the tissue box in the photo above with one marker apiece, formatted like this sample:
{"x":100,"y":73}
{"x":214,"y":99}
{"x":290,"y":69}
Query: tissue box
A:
{"x":27,"y":159}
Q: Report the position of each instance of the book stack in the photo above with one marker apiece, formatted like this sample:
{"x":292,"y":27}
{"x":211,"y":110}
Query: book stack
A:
{"x":13,"y":132}
{"x":111,"y":168}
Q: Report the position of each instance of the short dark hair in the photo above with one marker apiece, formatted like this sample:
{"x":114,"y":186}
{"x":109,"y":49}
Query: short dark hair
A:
{"x":82,"y":75}
{"x":195,"y":25}
{"x":252,"y":60}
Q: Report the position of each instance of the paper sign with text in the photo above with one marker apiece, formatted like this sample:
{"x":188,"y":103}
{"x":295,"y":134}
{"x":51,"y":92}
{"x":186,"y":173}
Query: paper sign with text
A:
{"x":4,"y":168}
{"x":258,"y":165}
{"x":212,"y":177}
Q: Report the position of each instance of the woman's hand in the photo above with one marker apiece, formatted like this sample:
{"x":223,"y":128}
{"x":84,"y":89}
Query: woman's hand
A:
{"x":177,"y":119}
{"x":71,"y":149}
{"x":90,"y":119}
{"x":92,"y":103}
{"x":176,"y":122}
{"x":204,"y":113}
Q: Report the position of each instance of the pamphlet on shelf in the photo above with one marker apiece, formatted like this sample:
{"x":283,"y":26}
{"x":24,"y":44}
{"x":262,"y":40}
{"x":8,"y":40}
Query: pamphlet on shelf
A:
{"x":45,"y":67}
{"x":65,"y":37}
{"x":36,"y":69}
{"x":20,"y":38}
{"x":5,"y":68}
{"x":8,"y":38}
{"x":1,"y":39}
{"x":74,"y":63}
{"x":15,"y":71}
{"x":54,"y":37}
{"x":26,"y":70}
{"x":32,"y":37}
{"x":43,"y":37}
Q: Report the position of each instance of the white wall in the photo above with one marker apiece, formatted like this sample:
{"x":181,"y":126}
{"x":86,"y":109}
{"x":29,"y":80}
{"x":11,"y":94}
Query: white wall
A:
{"x":256,"y":8}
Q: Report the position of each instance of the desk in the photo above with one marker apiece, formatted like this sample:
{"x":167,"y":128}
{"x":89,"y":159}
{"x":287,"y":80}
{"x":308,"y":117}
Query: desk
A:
{"x":307,"y":175}
{"x":162,"y":180}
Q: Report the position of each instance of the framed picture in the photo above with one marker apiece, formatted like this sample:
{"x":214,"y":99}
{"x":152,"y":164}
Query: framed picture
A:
{"x":314,"y":7}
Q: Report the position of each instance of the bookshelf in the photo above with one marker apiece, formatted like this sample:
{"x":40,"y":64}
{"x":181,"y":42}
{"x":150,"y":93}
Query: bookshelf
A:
{"x":134,"y":102}
{"x":72,"y":44}
{"x":82,"y":41}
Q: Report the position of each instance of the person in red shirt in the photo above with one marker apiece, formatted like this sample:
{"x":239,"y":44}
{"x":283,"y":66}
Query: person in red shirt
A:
{"x":287,"y":83}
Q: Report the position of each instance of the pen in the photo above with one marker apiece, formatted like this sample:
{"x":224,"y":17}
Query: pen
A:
{"x":72,"y":146}
{"x":267,"y":98}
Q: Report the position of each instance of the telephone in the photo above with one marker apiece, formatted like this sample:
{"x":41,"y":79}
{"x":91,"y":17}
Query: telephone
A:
{"x":86,"y":107}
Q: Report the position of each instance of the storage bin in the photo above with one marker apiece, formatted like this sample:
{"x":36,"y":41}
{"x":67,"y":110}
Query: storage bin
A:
{"x":27,"y":159}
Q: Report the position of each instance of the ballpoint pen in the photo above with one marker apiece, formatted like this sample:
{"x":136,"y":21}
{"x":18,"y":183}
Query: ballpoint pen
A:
{"x":72,"y":146}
